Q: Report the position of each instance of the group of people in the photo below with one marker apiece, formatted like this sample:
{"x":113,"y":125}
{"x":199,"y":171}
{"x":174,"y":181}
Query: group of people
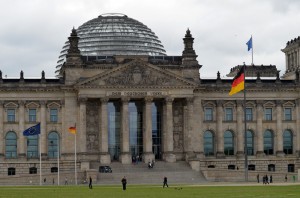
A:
{"x":265,"y":179}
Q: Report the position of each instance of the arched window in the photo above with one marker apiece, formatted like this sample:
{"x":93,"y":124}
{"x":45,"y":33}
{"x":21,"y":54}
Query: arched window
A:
{"x":287,"y":142}
{"x":251,"y":167}
{"x":291,"y":168}
{"x":271,"y":167}
{"x":32,"y":146}
{"x":11,"y":145}
{"x":32,"y":170}
{"x":11,"y":171}
{"x":208,"y":143}
{"x":53,"y":144}
{"x":228,"y":143}
{"x":54,"y":169}
{"x":268,"y":142}
{"x":250,"y":143}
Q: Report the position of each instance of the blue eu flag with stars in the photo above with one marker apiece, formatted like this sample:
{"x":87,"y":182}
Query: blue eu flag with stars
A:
{"x":249,"y":44}
{"x":34,"y":130}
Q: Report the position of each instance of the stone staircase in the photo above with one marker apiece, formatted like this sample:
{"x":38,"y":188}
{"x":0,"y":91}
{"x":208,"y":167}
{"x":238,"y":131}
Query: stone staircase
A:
{"x":177,"y":173}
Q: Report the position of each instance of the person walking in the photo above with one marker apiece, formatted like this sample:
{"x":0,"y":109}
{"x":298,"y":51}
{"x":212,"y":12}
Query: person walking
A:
{"x":285,"y":178}
{"x":271,"y":179}
{"x":257,"y":177}
{"x":165,"y":182}
{"x":91,"y":183}
{"x":66,"y":181}
{"x":124,"y":182}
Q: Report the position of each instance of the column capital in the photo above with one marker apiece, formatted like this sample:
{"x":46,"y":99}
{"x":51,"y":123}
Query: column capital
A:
{"x":169,"y":99}
{"x":259,"y":103}
{"x":21,"y":102}
{"x":219,"y":103}
{"x":189,"y":100}
{"x":104,"y":99}
{"x":82,"y":99}
{"x":125,"y":99}
{"x":240,"y":102}
{"x":279,"y":102}
{"x":43,"y":102}
{"x":148,"y":99}
{"x":297,"y":101}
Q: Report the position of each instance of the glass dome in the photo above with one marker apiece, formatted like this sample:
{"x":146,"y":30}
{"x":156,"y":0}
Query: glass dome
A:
{"x":114,"y":34}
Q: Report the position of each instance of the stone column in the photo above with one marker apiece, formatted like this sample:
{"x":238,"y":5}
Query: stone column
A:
{"x":147,"y":130}
{"x":2,"y":132}
{"x":168,"y":142}
{"x":125,"y":156}
{"x":240,"y":129}
{"x":279,"y":151}
{"x":188,"y":133}
{"x":259,"y":129}
{"x":81,"y":134}
{"x":43,"y":135}
{"x":22,"y":140}
{"x":220,"y":133}
{"x":104,"y":155}
{"x":297,"y":146}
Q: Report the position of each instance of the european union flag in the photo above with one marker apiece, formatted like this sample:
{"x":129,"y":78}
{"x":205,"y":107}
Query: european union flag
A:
{"x":34,"y":130}
{"x":249,"y":44}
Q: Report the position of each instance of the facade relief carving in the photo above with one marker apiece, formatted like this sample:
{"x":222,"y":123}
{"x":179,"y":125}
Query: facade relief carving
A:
{"x":138,"y":75}
{"x":92,"y":123}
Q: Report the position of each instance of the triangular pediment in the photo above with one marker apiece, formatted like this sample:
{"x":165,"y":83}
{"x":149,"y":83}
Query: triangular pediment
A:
{"x":137,"y":73}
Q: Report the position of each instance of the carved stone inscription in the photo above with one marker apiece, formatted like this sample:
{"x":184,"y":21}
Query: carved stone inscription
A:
{"x":92,"y":126}
{"x":138,"y":75}
{"x":178,"y":126}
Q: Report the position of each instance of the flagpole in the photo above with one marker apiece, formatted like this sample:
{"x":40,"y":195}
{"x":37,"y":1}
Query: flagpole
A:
{"x":58,"y":154}
{"x":40,"y":161}
{"x":245,"y":122}
{"x":75,"y":161}
{"x":252,"y":48}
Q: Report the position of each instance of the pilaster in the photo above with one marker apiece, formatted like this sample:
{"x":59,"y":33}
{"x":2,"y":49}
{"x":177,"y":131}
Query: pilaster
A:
{"x":81,"y":134}
{"x":22,"y":139}
{"x":240,"y":129}
{"x":220,"y":136}
{"x":259,"y":129}
{"x":279,"y":151}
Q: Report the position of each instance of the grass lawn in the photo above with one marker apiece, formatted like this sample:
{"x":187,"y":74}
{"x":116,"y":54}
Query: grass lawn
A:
{"x":147,"y":191}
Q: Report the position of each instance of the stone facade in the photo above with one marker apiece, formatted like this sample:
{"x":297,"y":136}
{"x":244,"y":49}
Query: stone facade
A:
{"x":190,"y":108}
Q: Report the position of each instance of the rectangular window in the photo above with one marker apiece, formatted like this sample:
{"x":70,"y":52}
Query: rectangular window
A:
{"x":268,"y":114}
{"x":228,"y":114}
{"x":208,"y":114}
{"x":53,"y":115}
{"x":287,"y":113}
{"x":32,"y":115}
{"x":11,"y":115}
{"x":249,"y":114}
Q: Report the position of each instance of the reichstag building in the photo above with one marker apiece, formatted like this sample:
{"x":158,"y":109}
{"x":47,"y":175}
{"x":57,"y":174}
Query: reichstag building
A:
{"x":127,"y":98}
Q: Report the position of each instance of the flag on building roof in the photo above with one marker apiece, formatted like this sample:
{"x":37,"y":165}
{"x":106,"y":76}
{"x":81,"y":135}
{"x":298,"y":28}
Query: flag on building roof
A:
{"x":238,"y":83}
{"x":72,"y":130}
{"x":249,"y":44}
{"x":34,"y":130}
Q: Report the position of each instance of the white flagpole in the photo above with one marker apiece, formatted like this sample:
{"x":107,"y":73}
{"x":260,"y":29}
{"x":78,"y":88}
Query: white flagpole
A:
{"x":40,"y":161}
{"x":75,"y":161}
{"x":58,"y":155}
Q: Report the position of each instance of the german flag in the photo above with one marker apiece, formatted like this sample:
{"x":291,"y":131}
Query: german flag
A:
{"x":72,"y":130}
{"x":238,"y":83}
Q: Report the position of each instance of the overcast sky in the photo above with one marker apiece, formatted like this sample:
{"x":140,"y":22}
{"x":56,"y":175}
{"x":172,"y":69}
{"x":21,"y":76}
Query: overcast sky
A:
{"x":32,"y":32}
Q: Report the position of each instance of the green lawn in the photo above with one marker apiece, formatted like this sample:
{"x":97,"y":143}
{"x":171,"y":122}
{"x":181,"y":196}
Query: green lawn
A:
{"x":147,"y":191}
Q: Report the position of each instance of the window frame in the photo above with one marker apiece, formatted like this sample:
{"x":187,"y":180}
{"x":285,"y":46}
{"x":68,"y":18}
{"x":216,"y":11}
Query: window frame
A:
{"x":288,"y":116}
{"x":208,"y":116}
{"x":32,"y":115}
{"x":268,"y":113}
{"x":53,"y":116}
{"x":249,"y":115}
{"x":11,"y":115}
{"x":228,"y":114}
